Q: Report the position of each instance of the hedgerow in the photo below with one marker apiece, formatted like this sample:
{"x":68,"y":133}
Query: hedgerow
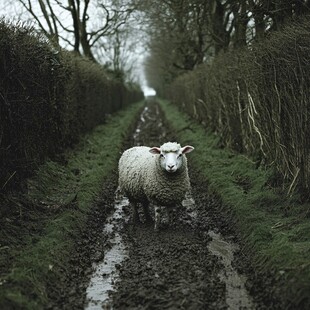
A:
{"x":257,"y":100}
{"x":48,"y":98}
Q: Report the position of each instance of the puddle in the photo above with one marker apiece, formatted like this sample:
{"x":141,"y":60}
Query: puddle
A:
{"x":140,"y":124}
{"x":105,"y":273}
{"x":237,"y":296}
{"x":146,"y":117}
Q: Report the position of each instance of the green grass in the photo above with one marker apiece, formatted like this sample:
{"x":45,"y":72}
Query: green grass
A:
{"x":70,"y":189}
{"x":275,"y":229}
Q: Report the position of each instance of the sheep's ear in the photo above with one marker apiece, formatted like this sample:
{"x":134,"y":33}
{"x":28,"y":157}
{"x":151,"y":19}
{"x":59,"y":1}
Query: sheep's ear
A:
{"x":155,"y":150}
{"x":187,"y":149}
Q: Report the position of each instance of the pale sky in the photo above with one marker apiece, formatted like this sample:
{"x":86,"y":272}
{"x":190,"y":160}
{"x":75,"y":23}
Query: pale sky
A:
{"x":13,"y":10}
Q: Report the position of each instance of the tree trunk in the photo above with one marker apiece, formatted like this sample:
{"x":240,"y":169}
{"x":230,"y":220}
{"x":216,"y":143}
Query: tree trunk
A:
{"x":219,"y":33}
{"x":240,"y":23}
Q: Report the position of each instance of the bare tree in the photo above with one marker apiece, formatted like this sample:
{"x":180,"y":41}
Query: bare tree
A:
{"x":121,"y":51}
{"x":81,"y":24}
{"x":184,"y":24}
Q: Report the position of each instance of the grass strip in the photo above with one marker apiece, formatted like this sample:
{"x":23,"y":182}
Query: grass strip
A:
{"x":69,"y":188}
{"x":275,"y":228}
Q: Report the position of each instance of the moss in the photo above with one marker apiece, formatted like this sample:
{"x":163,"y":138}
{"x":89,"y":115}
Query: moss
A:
{"x":275,"y":229}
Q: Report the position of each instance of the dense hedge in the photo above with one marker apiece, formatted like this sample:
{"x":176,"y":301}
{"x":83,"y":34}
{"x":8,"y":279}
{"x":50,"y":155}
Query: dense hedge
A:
{"x":47,"y":99}
{"x":258,"y":101}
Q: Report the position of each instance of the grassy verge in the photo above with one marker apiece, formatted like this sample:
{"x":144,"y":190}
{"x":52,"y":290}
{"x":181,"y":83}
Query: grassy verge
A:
{"x":66,"y":190}
{"x":275,"y":229}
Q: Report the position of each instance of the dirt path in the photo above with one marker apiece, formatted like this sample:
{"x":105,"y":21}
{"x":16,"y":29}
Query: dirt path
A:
{"x":188,"y":265}
{"x":195,"y":263}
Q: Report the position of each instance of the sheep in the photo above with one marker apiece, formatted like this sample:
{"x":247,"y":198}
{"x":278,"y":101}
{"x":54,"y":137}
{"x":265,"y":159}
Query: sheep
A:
{"x":157,"y":176}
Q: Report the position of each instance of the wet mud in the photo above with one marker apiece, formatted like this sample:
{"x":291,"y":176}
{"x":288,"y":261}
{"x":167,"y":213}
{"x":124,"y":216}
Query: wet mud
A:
{"x":195,"y":262}
{"x":105,"y":271}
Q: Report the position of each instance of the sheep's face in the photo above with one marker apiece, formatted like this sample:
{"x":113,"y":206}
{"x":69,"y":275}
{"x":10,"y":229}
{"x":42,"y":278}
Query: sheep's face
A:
{"x":171,"y":159}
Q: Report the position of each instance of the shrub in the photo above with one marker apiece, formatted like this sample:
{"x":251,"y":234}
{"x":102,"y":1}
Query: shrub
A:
{"x":258,"y":101}
{"x":48,"y":98}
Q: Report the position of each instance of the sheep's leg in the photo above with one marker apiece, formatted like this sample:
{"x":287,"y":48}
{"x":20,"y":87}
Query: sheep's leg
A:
{"x":135,"y":215}
{"x":169,"y":214}
{"x":146,"y":210}
{"x":157,"y":217}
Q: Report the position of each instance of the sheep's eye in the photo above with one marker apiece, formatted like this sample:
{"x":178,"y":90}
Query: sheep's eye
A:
{"x":161,"y":155}
{"x":180,"y":155}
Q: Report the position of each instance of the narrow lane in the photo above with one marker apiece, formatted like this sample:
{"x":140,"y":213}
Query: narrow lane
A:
{"x":187,"y":265}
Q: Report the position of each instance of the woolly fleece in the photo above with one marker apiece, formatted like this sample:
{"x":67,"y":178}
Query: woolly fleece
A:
{"x":142,"y":179}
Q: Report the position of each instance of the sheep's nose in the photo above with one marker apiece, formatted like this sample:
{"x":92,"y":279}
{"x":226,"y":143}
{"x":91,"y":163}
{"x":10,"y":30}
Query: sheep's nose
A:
{"x":170,"y":166}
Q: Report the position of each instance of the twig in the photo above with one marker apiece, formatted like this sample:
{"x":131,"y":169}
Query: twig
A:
{"x":7,"y":181}
{"x":293,"y":182}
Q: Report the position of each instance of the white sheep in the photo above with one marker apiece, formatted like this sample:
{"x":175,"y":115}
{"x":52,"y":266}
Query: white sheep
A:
{"x":156,"y":175}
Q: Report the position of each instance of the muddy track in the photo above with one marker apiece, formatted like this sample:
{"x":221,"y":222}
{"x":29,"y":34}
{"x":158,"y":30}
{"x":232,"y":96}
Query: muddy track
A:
{"x":195,"y":263}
